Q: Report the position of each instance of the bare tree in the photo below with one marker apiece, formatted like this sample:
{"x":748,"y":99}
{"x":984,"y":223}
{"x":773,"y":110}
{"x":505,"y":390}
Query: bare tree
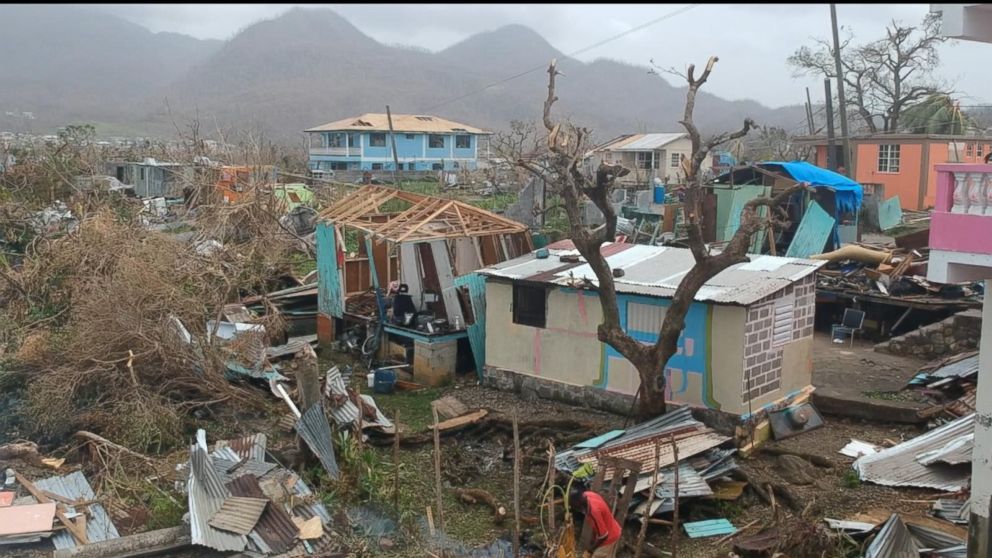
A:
{"x":883,"y":77}
{"x":564,"y":173}
{"x":775,"y":144}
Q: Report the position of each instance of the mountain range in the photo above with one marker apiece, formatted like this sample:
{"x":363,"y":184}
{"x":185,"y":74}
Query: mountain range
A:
{"x":76,"y":64}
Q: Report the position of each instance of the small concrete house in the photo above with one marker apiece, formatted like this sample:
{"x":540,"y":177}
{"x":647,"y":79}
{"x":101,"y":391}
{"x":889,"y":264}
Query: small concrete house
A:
{"x":366,"y":143}
{"x":647,"y":156}
{"x":746,"y":346}
{"x":153,"y":179}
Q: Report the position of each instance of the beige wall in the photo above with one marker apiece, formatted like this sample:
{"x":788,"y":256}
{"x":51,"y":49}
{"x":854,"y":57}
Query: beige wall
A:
{"x":568,"y":351}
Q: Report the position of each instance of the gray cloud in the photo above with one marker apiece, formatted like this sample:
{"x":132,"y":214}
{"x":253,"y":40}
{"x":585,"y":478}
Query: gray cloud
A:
{"x":752,"y":59}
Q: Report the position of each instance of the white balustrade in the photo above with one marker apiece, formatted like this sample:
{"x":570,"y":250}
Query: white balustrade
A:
{"x":976,"y":193}
{"x":960,"y":193}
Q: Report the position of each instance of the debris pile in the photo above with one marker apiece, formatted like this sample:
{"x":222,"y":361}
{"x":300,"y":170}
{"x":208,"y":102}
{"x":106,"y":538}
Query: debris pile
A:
{"x":683,"y":443}
{"x":238,"y":501}
{"x":951,"y":384}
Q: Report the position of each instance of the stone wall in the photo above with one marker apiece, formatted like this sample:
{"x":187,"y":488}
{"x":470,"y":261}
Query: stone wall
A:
{"x":956,"y":334}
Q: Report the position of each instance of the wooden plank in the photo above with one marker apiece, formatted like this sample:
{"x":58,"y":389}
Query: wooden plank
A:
{"x":709,"y":528}
{"x":330,"y":294}
{"x":812,"y":234}
{"x":410,"y":272}
{"x":79,"y":535}
{"x":477,"y":330}
{"x":446,"y":281}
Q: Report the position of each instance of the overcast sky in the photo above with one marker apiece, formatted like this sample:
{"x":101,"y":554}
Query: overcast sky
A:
{"x":752,"y":40}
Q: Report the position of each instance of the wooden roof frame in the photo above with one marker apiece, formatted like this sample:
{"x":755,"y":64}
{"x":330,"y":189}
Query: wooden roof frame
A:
{"x":428,"y":217}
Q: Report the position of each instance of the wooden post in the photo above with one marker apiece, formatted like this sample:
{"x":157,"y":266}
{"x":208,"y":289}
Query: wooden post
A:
{"x":651,"y":494}
{"x":392,"y":137}
{"x":437,"y":470}
{"x":516,"y":488}
{"x":396,"y":462}
{"x":551,"y":486}
{"x":361,"y":420}
{"x":675,"y":516}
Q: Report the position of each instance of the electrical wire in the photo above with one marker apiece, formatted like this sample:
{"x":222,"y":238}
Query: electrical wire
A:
{"x":571,"y":54}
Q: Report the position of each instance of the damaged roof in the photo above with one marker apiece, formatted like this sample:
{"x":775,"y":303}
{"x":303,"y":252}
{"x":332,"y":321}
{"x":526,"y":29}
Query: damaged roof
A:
{"x":657,"y":271}
{"x":427,"y":218}
{"x":402,"y":123}
{"x":75,"y":487}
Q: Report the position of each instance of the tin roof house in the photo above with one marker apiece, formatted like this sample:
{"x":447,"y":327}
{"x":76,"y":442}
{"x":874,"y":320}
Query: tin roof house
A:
{"x":746,"y":346}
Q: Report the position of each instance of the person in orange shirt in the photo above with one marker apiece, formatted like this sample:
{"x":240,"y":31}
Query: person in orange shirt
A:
{"x":605,"y":529}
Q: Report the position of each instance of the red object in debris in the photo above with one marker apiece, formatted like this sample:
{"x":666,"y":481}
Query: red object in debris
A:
{"x":6,"y":499}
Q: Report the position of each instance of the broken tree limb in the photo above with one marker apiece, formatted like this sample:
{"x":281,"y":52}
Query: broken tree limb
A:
{"x":89,"y":436}
{"x":473,"y":496}
{"x":856,"y":253}
{"x":151,"y":543}
{"x":817,"y":460}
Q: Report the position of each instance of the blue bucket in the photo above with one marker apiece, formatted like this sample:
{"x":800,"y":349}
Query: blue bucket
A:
{"x":659,"y":194}
{"x":384,"y":381}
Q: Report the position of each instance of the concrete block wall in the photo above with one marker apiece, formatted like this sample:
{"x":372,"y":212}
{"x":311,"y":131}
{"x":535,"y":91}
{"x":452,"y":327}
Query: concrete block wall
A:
{"x":957,"y":334}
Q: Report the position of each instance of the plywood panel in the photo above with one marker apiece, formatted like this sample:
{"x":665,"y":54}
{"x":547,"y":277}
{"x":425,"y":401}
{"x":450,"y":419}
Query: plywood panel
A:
{"x":410,"y":272}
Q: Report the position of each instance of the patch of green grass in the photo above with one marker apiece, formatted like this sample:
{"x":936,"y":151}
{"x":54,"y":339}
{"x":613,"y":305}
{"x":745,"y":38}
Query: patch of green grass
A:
{"x":889,"y":395}
{"x":302,"y":264}
{"x":414,"y":406}
{"x":851,"y":479}
{"x":498,"y":202}
{"x":164,"y":511}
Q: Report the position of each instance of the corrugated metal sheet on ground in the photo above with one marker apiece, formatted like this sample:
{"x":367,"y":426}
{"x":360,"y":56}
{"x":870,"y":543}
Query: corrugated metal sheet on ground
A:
{"x":476,"y":285}
{"x":239,"y":514}
{"x":318,"y":546}
{"x":347,"y":413}
{"x":857,"y":448}
{"x":960,"y":369}
{"x":931,"y":538}
{"x":955,"y":511}
{"x":691,"y":485}
{"x":897,"y":466}
{"x":293,"y":345}
{"x":709,"y":528}
{"x":593,"y":443}
{"x":643,"y":451}
{"x":229,"y":465}
{"x":315,"y":431}
{"x":252,"y":447}
{"x":206,"y":496}
{"x":658,"y":270}
{"x":893,"y":541}
{"x":74,"y":486}
{"x":275,"y":530}
{"x":956,"y":452}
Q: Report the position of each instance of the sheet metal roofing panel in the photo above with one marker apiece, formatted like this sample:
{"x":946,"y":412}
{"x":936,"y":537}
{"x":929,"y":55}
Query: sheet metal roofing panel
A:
{"x":315,"y":431}
{"x":658,"y":271}
{"x":74,"y":486}
{"x":960,"y":369}
{"x":239,"y":514}
{"x":897,"y":466}
{"x":644,"y":142}
{"x":347,"y":413}
{"x":206,"y":496}
{"x":893,"y":541}
{"x":252,"y":447}
{"x":956,"y":452}
{"x":955,"y":511}
{"x":275,"y":530}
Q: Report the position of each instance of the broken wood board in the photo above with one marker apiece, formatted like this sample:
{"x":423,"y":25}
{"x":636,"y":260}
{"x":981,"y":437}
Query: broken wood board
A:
{"x":449,"y":407}
{"x":309,"y":529}
{"x":728,"y":489}
{"x":463,"y":420}
{"x":23,"y":520}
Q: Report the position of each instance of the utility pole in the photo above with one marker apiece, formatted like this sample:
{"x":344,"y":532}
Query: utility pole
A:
{"x":392,"y":137}
{"x":842,"y":105}
{"x":831,"y":146}
{"x":809,"y":113}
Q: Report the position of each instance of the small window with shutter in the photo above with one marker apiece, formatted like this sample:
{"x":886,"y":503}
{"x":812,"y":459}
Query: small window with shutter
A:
{"x":783,"y":319}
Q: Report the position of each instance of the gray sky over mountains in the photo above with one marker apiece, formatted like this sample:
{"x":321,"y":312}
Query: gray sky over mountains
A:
{"x":752,"y":40}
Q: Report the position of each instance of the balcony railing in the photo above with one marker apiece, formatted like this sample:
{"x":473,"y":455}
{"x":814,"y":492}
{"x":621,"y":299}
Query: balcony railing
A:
{"x":337,"y":151}
{"x":962,"y":218}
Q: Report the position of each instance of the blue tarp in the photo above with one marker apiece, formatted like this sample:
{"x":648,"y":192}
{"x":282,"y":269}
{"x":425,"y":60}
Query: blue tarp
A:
{"x":848,"y":193}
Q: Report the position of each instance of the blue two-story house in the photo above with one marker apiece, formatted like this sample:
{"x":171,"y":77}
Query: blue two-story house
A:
{"x":423,"y":143}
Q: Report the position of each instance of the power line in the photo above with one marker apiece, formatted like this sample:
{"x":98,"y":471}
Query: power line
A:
{"x":577,"y":52}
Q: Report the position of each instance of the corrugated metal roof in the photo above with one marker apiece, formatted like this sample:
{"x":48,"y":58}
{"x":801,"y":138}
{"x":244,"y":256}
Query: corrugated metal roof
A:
{"x":642,"y":142}
{"x":956,"y":452}
{"x":898,"y":465}
{"x":379,"y":122}
{"x":960,"y":369}
{"x":74,"y":486}
{"x":293,"y":345}
{"x":275,"y":530}
{"x":239,"y":514}
{"x":931,"y":538}
{"x":315,"y":431}
{"x":955,"y":511}
{"x":893,"y":541}
{"x":658,"y":271}
{"x":206,"y":496}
